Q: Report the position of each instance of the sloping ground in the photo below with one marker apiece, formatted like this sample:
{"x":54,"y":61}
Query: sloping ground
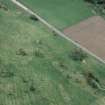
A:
{"x":36,"y":67}
{"x":91,"y":34}
{"x":60,"y":13}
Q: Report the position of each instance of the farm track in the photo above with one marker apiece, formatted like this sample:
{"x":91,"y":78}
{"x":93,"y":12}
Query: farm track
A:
{"x":58,"y":32}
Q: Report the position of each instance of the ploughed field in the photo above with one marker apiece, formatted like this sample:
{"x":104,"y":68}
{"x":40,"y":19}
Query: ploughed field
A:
{"x":38,"y":67}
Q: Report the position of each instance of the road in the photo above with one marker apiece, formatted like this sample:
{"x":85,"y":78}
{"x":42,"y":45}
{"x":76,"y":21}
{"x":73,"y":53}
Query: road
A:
{"x":58,"y":32}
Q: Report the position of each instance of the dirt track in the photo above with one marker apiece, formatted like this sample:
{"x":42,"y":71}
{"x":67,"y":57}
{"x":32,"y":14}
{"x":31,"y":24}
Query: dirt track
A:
{"x":91,"y":34}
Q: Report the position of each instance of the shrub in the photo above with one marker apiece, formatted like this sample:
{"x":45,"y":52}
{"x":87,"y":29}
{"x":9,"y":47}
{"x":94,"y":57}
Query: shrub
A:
{"x":62,"y":65}
{"x":91,"y":79}
{"x":54,"y":33}
{"x":39,"y":53}
{"x":32,"y":17}
{"x":21,"y":52}
{"x":101,"y":2}
{"x":78,"y":55}
{"x":2,"y":6}
{"x":32,"y":88}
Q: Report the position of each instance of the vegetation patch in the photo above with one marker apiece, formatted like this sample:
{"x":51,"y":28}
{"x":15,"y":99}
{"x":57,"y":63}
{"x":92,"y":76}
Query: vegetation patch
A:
{"x":98,"y":6}
{"x":21,"y":52}
{"x":91,"y":79}
{"x":4,"y":7}
{"x":32,"y":17}
{"x":39,"y":53}
{"x":78,"y":55}
{"x":7,"y":71}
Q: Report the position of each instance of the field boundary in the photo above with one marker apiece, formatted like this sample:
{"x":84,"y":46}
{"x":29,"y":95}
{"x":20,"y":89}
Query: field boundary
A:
{"x":58,"y":32}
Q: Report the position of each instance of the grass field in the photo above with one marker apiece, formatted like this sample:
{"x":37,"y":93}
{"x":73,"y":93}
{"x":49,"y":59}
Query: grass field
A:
{"x":36,"y":67}
{"x":60,"y":13}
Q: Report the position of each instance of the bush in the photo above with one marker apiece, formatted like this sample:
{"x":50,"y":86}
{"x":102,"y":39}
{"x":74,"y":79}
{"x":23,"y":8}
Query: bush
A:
{"x":54,"y":33}
{"x":21,"y":52}
{"x":3,"y":7}
{"x":96,"y":1}
{"x":32,"y":88}
{"x":39,"y":53}
{"x":78,"y":55}
{"x":91,"y":79}
{"x":62,"y":65}
{"x":32,"y":17}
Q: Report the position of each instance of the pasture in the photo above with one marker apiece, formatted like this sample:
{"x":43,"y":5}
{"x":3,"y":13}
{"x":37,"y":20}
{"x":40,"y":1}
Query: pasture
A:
{"x":60,"y":13}
{"x":38,"y":68}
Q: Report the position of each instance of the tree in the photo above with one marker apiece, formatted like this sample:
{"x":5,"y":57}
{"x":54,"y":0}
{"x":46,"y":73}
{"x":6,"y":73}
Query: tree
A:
{"x":2,"y":6}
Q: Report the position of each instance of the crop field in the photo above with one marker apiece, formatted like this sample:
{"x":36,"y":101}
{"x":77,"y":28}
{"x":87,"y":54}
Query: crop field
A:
{"x":60,"y":13}
{"x":38,"y":67}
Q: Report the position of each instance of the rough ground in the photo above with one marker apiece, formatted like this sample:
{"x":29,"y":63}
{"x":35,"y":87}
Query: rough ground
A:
{"x":90,"y":33}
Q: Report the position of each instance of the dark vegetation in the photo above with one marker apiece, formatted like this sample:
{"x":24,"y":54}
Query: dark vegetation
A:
{"x":32,"y":88}
{"x":62,"y":65}
{"x":98,"y":5}
{"x":6,"y":74}
{"x":32,"y":17}
{"x":7,"y":71}
{"x":4,"y":7}
{"x":21,"y":52}
{"x":91,"y":79}
{"x":96,"y":1}
{"x":78,"y":55}
{"x":39,"y":53}
{"x":54,"y":33}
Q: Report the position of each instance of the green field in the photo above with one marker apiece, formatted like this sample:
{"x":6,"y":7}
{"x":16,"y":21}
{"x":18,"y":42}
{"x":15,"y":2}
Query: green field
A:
{"x":60,"y":13}
{"x":36,"y":67}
